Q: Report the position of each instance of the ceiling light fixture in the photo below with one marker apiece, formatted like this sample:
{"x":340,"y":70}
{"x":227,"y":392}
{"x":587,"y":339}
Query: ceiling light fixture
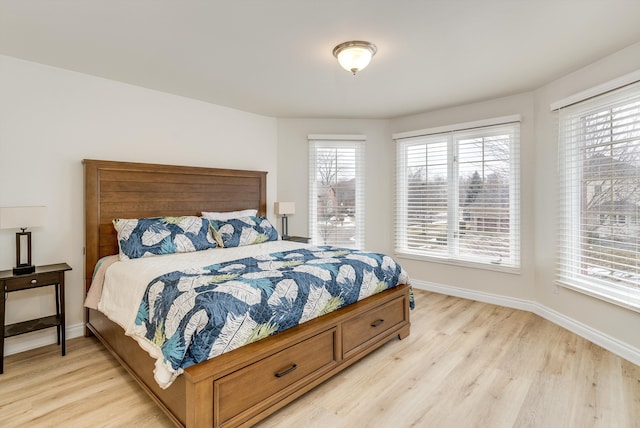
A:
{"x":355,"y":55}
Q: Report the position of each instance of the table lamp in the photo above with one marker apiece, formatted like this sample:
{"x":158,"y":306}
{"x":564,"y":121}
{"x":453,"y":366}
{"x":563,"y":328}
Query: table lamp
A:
{"x":22,"y":218}
{"x":284,"y":209}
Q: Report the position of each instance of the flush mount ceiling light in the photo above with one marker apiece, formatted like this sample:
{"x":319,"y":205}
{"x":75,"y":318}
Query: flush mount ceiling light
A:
{"x":355,"y":55}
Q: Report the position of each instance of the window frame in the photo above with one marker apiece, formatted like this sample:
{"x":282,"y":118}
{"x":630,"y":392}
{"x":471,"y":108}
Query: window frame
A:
{"x":571,"y":163}
{"x":453,"y":134}
{"x":350,"y":141}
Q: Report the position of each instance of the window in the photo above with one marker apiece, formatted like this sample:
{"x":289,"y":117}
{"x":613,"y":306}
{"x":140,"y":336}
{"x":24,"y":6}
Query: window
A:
{"x":599,"y":239}
{"x":458,"y":194}
{"x":336,"y":190}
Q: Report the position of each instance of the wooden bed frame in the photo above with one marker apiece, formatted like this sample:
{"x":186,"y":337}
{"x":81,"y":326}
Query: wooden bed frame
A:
{"x":241,"y":387}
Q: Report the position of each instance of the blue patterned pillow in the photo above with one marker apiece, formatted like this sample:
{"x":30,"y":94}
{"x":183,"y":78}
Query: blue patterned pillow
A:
{"x":242,"y":231}
{"x":142,"y":237}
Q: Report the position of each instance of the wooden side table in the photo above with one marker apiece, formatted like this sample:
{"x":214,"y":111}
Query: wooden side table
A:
{"x":297,"y":239}
{"x":42,"y":277}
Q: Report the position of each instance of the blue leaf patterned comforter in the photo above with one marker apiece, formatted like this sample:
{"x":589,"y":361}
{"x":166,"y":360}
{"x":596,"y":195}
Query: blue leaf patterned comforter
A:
{"x":196,"y":315}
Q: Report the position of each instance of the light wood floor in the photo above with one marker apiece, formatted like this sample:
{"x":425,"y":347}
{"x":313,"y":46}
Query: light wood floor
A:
{"x":465,"y":364}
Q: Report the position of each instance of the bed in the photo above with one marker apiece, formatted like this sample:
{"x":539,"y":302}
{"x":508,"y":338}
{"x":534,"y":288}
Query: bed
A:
{"x":245,"y":385}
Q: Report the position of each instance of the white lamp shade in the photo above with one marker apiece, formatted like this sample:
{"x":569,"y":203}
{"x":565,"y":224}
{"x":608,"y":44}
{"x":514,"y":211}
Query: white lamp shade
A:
{"x":354,"y":59}
{"x":355,"y":55}
{"x":22,"y":217}
{"x":285,"y":208}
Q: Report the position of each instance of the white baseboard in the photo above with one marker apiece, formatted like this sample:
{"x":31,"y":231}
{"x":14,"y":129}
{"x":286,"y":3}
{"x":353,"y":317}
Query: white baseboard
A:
{"x":36,"y":339}
{"x":609,"y":343}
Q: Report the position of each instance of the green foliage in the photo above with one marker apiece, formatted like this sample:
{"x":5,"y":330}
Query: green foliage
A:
{"x":333,"y":304}
{"x":216,"y":279}
{"x":262,"y":331}
{"x":158,"y":336}
{"x":381,"y":287}
{"x":172,"y":220}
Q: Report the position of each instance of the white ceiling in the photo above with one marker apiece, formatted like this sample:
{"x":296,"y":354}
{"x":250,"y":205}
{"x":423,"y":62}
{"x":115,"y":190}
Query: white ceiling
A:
{"x":273,"y":57}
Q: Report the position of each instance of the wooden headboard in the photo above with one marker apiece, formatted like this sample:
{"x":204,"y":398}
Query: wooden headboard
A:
{"x":138,"y":190}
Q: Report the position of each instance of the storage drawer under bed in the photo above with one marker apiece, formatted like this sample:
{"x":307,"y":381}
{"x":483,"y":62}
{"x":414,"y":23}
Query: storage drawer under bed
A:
{"x":274,"y":377}
{"x":366,"y":327}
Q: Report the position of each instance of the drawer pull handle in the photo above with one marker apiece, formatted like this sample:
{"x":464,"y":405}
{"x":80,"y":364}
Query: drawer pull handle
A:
{"x":34,"y":281}
{"x":287,"y":371}
{"x":377,"y":323}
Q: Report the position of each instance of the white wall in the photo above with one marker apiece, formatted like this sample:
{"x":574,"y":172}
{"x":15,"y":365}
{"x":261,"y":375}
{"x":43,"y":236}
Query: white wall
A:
{"x":51,"y":119}
{"x":293,"y":173}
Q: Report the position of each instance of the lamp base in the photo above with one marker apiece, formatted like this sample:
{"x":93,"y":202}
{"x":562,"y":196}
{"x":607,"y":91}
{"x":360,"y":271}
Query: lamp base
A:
{"x":285,"y":227}
{"x":23,"y":270}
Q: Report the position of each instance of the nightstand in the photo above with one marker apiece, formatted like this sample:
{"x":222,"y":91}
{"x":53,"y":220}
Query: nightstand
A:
{"x":42,"y":277}
{"x":297,"y":239}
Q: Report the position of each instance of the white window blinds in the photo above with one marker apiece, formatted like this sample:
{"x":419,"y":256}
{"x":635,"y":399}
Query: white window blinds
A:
{"x":458,"y":195}
{"x":599,"y":167}
{"x":336,"y":190}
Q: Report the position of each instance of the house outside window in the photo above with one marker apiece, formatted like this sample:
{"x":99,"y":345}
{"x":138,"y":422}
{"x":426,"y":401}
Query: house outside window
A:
{"x":599,"y":159}
{"x":336,"y":190}
{"x":458,"y":194}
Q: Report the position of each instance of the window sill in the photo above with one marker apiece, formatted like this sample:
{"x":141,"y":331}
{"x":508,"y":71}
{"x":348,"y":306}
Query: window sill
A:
{"x":457,"y":262}
{"x":624,"y":299}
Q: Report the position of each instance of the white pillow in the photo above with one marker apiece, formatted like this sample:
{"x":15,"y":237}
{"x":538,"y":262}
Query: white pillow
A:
{"x":229,"y":215}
